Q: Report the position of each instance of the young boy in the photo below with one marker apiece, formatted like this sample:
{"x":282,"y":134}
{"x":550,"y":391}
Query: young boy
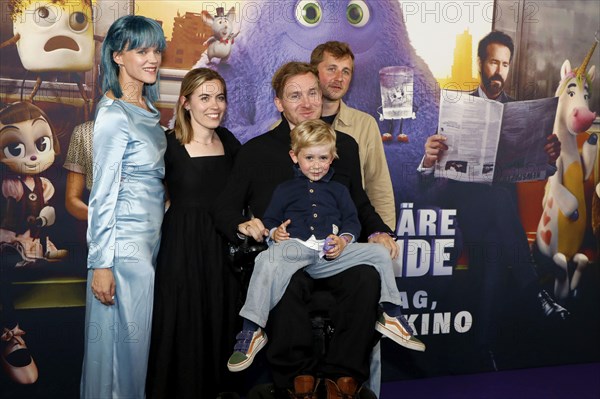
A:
{"x":318,"y":233}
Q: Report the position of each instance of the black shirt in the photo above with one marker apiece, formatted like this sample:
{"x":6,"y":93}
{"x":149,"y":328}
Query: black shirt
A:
{"x":264,"y":162}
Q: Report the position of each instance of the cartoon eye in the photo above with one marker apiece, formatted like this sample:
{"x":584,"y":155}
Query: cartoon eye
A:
{"x":78,"y":21}
{"x":14,"y":150}
{"x":358,"y":13}
{"x":45,"y":16}
{"x":43,"y":144}
{"x":308,"y":13}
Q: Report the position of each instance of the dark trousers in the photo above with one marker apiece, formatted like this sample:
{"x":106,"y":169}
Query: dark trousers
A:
{"x":291,"y":351}
{"x":496,"y":244}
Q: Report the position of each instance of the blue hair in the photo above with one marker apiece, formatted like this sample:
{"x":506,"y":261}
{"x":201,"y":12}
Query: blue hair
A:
{"x":128,"y":33}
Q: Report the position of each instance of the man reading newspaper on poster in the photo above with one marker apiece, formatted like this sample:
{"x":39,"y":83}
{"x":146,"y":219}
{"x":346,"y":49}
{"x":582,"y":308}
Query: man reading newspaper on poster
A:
{"x":506,"y":145}
{"x":487,"y":212}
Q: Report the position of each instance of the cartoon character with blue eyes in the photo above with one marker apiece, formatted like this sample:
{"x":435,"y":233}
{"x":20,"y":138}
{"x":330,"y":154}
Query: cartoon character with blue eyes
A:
{"x":53,"y":35}
{"x":28,"y":147}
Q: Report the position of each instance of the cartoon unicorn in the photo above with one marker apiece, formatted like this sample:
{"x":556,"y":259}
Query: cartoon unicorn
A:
{"x":562,"y":226}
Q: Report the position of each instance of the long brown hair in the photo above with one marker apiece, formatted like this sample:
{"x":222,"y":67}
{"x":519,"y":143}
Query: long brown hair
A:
{"x":191,"y":81}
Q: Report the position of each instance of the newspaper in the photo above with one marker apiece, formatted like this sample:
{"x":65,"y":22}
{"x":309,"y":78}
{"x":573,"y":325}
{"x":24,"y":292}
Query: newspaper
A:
{"x":493,"y":142}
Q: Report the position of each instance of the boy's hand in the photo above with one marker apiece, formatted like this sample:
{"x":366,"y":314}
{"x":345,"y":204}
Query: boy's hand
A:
{"x":280,"y":233}
{"x":334,"y":245}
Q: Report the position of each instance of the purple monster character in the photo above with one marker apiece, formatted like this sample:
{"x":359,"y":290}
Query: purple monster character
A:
{"x":280,"y":31}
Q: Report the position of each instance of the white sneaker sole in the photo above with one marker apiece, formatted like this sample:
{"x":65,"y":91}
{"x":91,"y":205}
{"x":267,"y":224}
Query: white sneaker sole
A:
{"x":413,"y":344}
{"x":260,"y":343}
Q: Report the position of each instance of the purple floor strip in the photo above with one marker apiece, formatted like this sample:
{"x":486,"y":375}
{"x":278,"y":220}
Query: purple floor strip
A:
{"x":578,"y":381}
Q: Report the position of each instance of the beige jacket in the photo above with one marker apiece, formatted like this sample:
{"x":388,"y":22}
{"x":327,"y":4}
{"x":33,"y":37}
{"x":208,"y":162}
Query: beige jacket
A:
{"x":373,"y":164}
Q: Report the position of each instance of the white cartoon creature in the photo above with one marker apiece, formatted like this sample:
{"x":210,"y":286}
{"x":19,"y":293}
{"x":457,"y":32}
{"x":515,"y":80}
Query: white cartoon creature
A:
{"x":219,"y":45}
{"x":53,"y":36}
{"x":562,"y":227}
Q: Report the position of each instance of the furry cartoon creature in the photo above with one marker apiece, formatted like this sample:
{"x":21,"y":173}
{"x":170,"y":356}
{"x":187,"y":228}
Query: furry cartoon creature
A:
{"x":28,"y":147}
{"x":286,"y":30}
{"x":563,"y":224}
{"x":225,"y":30}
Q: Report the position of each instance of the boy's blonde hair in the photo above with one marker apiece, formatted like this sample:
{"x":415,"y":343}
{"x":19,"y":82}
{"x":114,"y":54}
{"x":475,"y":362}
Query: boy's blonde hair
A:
{"x":313,"y":133}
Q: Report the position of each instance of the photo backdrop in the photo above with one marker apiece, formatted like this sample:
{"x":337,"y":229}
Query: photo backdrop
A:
{"x":435,"y":42}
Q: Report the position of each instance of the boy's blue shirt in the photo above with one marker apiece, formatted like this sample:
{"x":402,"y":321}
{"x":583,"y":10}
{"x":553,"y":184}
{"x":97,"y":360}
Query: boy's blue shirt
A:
{"x":314,"y":207}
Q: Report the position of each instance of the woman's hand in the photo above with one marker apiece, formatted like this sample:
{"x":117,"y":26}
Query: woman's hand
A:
{"x":103,"y":286}
{"x":254,"y":228}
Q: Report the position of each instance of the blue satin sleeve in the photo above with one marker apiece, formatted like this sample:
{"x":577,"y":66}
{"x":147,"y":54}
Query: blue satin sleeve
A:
{"x":111,"y":136}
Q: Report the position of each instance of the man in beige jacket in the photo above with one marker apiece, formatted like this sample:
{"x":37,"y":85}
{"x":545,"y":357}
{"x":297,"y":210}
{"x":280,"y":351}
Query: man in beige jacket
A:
{"x":335,"y":64}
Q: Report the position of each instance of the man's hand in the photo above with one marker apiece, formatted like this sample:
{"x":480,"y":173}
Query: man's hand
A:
{"x":281,"y":234}
{"x":103,"y":286}
{"x":434,"y":148}
{"x":387,"y":241}
{"x":254,"y":228}
{"x":552,"y":148}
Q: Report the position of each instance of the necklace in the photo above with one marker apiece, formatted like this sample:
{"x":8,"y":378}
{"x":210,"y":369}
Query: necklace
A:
{"x":140,"y":103}
{"x":130,"y":99}
{"x":210,"y":141}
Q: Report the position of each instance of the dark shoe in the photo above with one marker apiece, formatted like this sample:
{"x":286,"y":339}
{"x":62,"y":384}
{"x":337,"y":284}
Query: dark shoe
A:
{"x":15,"y":357}
{"x":305,"y":387}
{"x":344,"y":388}
{"x":550,"y":308}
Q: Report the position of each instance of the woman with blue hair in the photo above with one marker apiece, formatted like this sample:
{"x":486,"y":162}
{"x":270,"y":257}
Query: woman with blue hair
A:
{"x":125,"y":212}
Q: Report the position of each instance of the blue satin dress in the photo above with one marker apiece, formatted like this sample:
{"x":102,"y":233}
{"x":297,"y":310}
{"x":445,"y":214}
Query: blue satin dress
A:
{"x":125,"y":213}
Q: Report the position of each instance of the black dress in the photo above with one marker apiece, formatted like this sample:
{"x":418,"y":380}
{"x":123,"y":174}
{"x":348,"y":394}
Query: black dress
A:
{"x":193,"y":326}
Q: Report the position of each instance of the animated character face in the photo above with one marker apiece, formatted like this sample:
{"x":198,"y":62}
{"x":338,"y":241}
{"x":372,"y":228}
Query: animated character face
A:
{"x":222,"y":27}
{"x":308,"y":23}
{"x":55,"y":35}
{"x":27,"y":147}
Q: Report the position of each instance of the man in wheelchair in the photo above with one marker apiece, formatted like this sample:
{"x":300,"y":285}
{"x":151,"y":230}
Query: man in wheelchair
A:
{"x":261,"y":165}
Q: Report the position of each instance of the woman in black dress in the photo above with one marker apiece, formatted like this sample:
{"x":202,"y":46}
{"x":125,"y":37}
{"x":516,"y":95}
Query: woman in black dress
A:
{"x":195,"y":291}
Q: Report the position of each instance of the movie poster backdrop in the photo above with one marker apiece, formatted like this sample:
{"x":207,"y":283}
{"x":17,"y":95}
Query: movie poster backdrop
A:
{"x":49,"y":65}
